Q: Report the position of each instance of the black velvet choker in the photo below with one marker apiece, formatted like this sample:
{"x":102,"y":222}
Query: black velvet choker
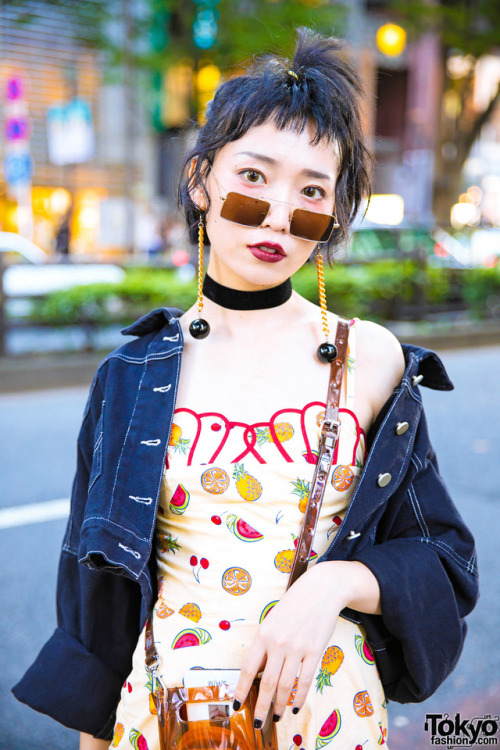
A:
{"x":234,"y":299}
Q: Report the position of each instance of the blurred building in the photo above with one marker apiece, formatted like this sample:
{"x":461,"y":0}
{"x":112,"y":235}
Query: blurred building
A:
{"x":88,"y":156}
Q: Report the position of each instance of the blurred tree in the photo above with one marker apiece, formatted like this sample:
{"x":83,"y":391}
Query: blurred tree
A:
{"x":163,"y":34}
{"x":468,"y":30}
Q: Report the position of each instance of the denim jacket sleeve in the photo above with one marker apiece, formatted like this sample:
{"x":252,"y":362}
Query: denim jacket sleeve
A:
{"x":423,"y":556}
{"x":79,"y":673}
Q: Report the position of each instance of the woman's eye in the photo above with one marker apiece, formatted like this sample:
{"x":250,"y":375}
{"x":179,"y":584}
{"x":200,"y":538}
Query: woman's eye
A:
{"x":314,"y":192}
{"x":252,"y":175}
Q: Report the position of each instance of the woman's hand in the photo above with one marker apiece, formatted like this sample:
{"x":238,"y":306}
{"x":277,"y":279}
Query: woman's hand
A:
{"x":291,"y":640}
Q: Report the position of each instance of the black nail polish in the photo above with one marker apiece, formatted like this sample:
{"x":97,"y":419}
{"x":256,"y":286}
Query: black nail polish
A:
{"x":236,"y":705}
{"x":276,"y":717}
{"x":258,"y":723}
{"x":295,"y":710}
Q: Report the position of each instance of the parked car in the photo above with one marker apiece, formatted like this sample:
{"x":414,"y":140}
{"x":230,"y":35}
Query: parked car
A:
{"x":30,"y":272}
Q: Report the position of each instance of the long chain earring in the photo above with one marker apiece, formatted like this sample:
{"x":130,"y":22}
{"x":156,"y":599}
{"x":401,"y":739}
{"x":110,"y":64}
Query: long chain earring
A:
{"x":199,"y":327}
{"x":326,"y":351}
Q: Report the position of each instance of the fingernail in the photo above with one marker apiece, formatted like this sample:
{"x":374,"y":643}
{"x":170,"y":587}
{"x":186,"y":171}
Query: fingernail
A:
{"x":276,"y":717}
{"x":257,"y":723}
{"x":295,"y":710}
{"x":236,"y":705}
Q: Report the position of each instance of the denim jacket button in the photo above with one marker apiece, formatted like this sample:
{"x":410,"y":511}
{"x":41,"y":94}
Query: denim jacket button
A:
{"x":401,"y":428}
{"x":384,"y":479}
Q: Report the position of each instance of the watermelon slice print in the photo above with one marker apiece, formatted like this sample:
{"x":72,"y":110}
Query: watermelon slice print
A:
{"x":364,"y":650}
{"x":137,"y":740}
{"x":191,"y":637}
{"x":330,"y":728}
{"x":179,"y":500}
{"x":242,"y":530}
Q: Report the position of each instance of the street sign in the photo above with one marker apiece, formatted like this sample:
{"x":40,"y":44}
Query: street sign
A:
{"x":18,"y":168}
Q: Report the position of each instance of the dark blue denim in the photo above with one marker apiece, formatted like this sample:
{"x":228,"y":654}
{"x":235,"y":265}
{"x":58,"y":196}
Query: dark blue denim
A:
{"x":408,"y":533}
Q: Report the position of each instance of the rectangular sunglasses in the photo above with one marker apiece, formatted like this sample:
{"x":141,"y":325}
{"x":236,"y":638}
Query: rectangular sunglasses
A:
{"x":251,"y":212}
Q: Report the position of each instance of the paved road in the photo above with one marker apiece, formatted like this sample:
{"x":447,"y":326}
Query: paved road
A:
{"x":37,"y":445}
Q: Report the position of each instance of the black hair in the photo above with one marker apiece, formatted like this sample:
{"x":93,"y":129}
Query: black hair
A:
{"x":317,"y":86}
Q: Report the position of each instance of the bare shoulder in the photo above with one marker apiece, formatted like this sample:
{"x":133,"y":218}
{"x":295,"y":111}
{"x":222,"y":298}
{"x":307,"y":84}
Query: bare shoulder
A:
{"x":381,"y":362}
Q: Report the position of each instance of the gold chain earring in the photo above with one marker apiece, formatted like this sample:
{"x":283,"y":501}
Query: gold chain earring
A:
{"x":326,"y":351}
{"x":199,"y":327}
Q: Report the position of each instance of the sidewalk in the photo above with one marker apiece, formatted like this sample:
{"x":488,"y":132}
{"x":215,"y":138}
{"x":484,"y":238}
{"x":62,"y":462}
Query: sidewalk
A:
{"x":29,"y":372}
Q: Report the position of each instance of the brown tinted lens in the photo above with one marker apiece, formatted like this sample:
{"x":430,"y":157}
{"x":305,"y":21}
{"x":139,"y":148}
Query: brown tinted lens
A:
{"x":311,"y":225}
{"x":242,"y":209}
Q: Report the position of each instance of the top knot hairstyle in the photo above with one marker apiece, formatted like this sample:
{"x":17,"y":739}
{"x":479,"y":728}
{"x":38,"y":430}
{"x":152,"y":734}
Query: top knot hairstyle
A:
{"x":317,"y":86}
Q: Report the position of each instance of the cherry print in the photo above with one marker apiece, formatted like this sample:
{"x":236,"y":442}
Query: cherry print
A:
{"x":226,"y":624}
{"x":204,"y":563}
{"x":216,"y":520}
{"x":298,"y":740}
{"x":129,"y":687}
{"x":337,"y":520}
{"x":216,"y":427}
{"x":194,"y":560}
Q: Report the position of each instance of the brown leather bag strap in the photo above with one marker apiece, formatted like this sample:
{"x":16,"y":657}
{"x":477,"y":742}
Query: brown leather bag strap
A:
{"x":328,"y":442}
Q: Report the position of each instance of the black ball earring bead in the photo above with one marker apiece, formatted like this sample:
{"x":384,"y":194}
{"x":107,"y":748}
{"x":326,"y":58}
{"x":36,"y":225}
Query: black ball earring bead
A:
{"x":327,"y":352}
{"x":199,"y":328}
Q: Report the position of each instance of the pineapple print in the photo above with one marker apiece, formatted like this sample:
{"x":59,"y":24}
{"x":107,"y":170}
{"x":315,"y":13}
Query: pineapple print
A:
{"x":284,"y":431}
{"x":284,"y":560}
{"x":330,"y":663}
{"x":302,"y":489}
{"x":247,"y":486}
{"x":178,"y":443}
{"x":168,"y":543}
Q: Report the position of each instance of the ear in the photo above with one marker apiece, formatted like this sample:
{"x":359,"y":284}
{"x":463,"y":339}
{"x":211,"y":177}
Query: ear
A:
{"x":195,"y":191}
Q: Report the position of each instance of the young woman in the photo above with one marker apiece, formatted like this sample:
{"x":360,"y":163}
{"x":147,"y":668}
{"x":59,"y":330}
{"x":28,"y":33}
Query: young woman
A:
{"x":194,"y":471}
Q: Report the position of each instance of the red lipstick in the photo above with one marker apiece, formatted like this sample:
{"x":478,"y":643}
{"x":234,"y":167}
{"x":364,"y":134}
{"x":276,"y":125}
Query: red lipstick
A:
{"x":270,"y":252}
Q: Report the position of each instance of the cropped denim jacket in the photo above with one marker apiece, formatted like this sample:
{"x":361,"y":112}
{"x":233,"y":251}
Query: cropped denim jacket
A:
{"x":403,"y":526}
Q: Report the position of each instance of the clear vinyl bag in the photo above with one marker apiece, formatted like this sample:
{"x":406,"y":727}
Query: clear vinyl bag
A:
{"x":202,"y":718}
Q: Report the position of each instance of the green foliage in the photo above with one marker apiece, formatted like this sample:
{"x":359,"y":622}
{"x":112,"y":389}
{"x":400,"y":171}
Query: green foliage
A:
{"x":379,"y":290}
{"x":481,"y":291}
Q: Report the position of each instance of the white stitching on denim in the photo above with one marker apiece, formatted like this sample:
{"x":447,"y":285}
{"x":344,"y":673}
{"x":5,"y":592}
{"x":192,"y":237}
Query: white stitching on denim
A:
{"x":418,"y":511}
{"x":118,"y":526}
{"x":113,"y":562}
{"x":158,"y":489}
{"x":125,"y":441}
{"x":162,"y":388}
{"x":171,"y":338}
{"x":143,"y":500}
{"x":451,"y":552}
{"x":137,"y":555}
{"x":98,"y":443}
{"x":143,"y":360}
{"x":151,"y":442}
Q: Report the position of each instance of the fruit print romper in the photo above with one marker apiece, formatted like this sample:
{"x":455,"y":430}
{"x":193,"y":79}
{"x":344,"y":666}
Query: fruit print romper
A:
{"x":230,"y":512}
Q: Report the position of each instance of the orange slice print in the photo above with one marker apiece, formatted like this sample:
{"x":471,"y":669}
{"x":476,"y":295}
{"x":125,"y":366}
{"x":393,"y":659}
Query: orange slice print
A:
{"x":236,"y":581}
{"x":215,"y":481}
{"x":162,"y":611}
{"x":362,"y":704}
{"x":342,"y":478}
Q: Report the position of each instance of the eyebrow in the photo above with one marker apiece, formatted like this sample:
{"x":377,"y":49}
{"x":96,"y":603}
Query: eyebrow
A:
{"x":269,"y":160}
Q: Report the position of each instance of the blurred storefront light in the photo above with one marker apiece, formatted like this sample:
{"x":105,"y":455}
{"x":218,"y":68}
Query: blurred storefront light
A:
{"x":386,"y":209}
{"x":60,"y":201}
{"x":464,"y":214}
{"x":391,"y":39}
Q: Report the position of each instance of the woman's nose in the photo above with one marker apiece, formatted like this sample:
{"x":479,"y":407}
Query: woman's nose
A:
{"x":278,"y":217}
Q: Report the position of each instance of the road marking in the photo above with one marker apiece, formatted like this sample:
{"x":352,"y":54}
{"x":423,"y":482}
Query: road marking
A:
{"x":21,"y":515}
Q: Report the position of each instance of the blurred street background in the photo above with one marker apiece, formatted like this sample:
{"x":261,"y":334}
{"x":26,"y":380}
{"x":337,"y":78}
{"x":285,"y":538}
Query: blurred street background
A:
{"x":99,"y":100}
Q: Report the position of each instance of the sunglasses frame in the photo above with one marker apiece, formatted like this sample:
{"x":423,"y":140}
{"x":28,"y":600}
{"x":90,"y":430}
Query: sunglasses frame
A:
{"x":266,"y":201}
